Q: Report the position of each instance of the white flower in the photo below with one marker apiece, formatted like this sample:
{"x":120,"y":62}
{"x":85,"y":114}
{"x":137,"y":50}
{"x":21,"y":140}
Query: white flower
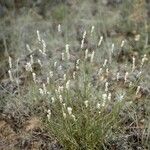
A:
{"x":68,"y":85}
{"x":64,"y":115}
{"x":130,"y":84}
{"x":60,"y":98}
{"x":60,"y":89}
{"x":38,"y":35}
{"x":67,"y":51}
{"x":104,"y":97}
{"x":143,"y":60}
{"x":133,"y":63}
{"x":92,"y":56}
{"x":73,"y":116}
{"x":84,"y":34}
{"x":64,"y":105}
{"x":105,"y":62}
{"x":55,"y":63}
{"x":82,"y":43}
{"x":41,"y":91}
{"x":98,"y":105}
{"x":10,"y":62}
{"x":125,"y":77}
{"x":107,"y":71}
{"x":74,"y":75}
{"x":48,"y":80}
{"x":62,"y":56}
{"x":52,"y":99}
{"x":34,"y":77}
{"x":49,"y":114}
{"x":100,"y":71}
{"x":109,"y":96}
{"x":28,"y":48}
{"x":120,"y":95}
{"x":86,"y":53}
{"x":56,"y":91}
{"x":137,"y":37}
{"x":122,"y":43}
{"x":112,"y":48}
{"x":60,"y":67}
{"x":138,"y":90}
{"x":78,"y":62}
{"x":65,"y":77}
{"x":117,"y":76}
{"x":86,"y":103}
{"x":31,"y":59}
{"x":92,"y":29}
{"x":69,"y":109}
{"x":100,"y":41}
{"x":39,"y":62}
{"x":44,"y":88}
{"x":106,"y":87}
{"x":51,"y":74}
{"x":10,"y":75}
{"x":28,"y":67}
{"x":44,"y":46}
{"x":59,"y":28}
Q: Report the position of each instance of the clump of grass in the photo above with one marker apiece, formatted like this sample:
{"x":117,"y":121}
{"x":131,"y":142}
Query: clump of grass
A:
{"x":84,"y":101}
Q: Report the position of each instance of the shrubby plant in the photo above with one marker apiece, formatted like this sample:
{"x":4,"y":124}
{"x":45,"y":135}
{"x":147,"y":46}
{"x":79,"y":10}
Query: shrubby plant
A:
{"x":85,"y":106}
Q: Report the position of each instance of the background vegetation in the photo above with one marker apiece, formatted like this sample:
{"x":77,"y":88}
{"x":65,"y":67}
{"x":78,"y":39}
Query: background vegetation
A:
{"x":57,"y":97}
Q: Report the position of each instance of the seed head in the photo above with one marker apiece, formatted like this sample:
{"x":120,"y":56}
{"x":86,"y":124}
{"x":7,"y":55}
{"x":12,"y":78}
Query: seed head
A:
{"x":105,"y":62}
{"x":34,"y":77}
{"x":133,"y":63}
{"x":92,"y":56}
{"x":44,"y":88}
{"x":41,"y":91}
{"x":100,"y":41}
{"x":52,"y":99}
{"x":126,"y":77}
{"x":82,"y":43}
{"x":64,"y":115}
{"x":39,"y":62}
{"x":69,"y":109}
{"x":28,"y":48}
{"x":60,"y":98}
{"x":10,"y":62}
{"x":92,"y":29}
{"x":109,"y":96}
{"x":106,"y":87}
{"x":62,"y":56}
{"x":65,"y":77}
{"x":122,"y":43}
{"x":51,"y":74}
{"x":84,"y":34}
{"x":86,"y":53}
{"x":10,"y":75}
{"x":100,"y":71}
{"x":138,"y":90}
{"x":38,"y":35}
{"x":86,"y":103}
{"x":73,"y":116}
{"x":48,"y":114}
{"x":74,"y":75}
{"x":98,"y":105}
{"x":31,"y":59}
{"x":28,"y":67}
{"x":59,"y":28}
{"x":48,"y":80}
{"x":68,"y":85}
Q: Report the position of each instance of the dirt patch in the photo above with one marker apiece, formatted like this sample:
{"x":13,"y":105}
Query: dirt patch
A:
{"x":30,"y":137}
